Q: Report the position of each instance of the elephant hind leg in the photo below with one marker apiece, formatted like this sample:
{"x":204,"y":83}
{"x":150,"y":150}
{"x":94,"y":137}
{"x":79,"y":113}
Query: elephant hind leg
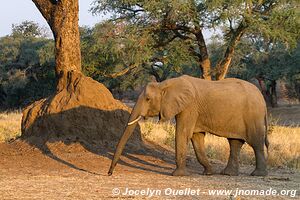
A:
{"x":257,"y":142}
{"x":232,"y":168}
{"x":261,"y":166}
{"x":198,"y":144}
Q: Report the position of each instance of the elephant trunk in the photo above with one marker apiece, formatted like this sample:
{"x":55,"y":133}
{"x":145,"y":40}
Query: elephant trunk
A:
{"x":134,"y":117}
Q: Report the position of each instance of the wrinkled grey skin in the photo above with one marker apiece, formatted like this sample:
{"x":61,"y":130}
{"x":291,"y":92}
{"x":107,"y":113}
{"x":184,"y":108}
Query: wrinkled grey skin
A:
{"x":230,"y":108}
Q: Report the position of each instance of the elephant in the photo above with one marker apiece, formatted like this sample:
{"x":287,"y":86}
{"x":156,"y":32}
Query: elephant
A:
{"x":230,"y":108}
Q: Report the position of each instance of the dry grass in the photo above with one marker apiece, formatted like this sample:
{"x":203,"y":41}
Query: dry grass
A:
{"x":285,"y":147}
{"x":283,"y":151}
{"x":10,"y":125}
{"x":161,"y":133}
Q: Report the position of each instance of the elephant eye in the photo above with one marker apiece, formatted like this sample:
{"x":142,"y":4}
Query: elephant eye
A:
{"x":147,"y":99}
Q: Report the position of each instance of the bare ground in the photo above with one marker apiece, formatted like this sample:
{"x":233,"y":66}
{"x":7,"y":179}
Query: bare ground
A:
{"x":73,"y":172}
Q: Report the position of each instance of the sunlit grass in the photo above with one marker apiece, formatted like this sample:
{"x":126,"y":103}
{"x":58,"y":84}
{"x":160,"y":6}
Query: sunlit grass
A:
{"x":10,"y":125}
{"x":161,"y":133}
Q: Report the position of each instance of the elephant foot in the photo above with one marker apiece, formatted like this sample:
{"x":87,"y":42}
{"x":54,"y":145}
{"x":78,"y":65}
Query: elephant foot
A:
{"x":230,"y":172}
{"x":207,"y":172}
{"x":180,"y":172}
{"x":259,"y":172}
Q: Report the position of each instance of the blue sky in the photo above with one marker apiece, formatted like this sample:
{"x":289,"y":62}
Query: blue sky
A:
{"x":16,"y":11}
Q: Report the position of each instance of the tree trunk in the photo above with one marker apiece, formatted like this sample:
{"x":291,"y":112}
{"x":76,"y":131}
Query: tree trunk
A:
{"x":204,"y":60}
{"x":2,"y":96}
{"x":297,"y":90}
{"x":62,"y":17}
{"x":273,"y":93}
{"x":269,"y":93}
{"x":263,"y":89}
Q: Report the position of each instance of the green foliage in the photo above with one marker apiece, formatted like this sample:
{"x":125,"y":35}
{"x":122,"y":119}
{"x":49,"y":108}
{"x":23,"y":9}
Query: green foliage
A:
{"x":174,"y":48}
{"x":142,"y":19}
{"x":112,"y":47}
{"x":9,"y":49}
{"x":275,"y":63}
{"x":28,"y":29}
{"x":167,"y":21}
{"x":109,"y":48}
{"x":276,"y":20}
{"x":26,"y":65}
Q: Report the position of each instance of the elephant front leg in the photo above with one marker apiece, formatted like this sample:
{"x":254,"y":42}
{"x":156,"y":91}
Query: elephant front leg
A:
{"x":232,"y":168}
{"x":198,"y":144}
{"x":182,"y":137}
{"x":181,"y":144}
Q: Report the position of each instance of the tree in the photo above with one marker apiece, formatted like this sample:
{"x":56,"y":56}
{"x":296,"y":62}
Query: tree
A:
{"x":27,"y":29}
{"x":27,"y":69}
{"x":80,"y":107}
{"x":272,"y":19}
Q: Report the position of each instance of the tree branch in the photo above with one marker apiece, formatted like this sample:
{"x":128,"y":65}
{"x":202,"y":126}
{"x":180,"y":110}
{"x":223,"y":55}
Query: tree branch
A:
{"x":164,"y":43}
{"x":181,"y":36}
{"x":132,"y":10}
{"x":230,"y":24}
{"x":45,"y":7}
{"x":194,"y":52}
{"x":203,"y":57}
{"x":120,"y":73}
{"x":177,"y":27}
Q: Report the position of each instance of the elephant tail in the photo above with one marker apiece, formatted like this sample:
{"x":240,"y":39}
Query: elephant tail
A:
{"x":267,"y":143}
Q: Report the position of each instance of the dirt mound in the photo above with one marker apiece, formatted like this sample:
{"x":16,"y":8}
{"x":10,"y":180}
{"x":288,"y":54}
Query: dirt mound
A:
{"x":81,"y":110}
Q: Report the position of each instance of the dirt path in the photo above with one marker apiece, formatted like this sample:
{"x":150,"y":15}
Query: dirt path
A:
{"x":72,"y":172}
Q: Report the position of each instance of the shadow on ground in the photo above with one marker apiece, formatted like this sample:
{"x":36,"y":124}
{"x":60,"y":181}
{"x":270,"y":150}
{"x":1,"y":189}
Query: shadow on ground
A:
{"x":98,"y":131}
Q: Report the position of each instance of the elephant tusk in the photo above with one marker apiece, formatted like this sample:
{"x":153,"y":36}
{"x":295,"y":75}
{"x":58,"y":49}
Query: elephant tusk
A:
{"x":134,"y":121}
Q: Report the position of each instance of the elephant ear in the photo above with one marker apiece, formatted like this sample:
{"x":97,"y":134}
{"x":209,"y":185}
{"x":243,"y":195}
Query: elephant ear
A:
{"x":177,"y":94}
